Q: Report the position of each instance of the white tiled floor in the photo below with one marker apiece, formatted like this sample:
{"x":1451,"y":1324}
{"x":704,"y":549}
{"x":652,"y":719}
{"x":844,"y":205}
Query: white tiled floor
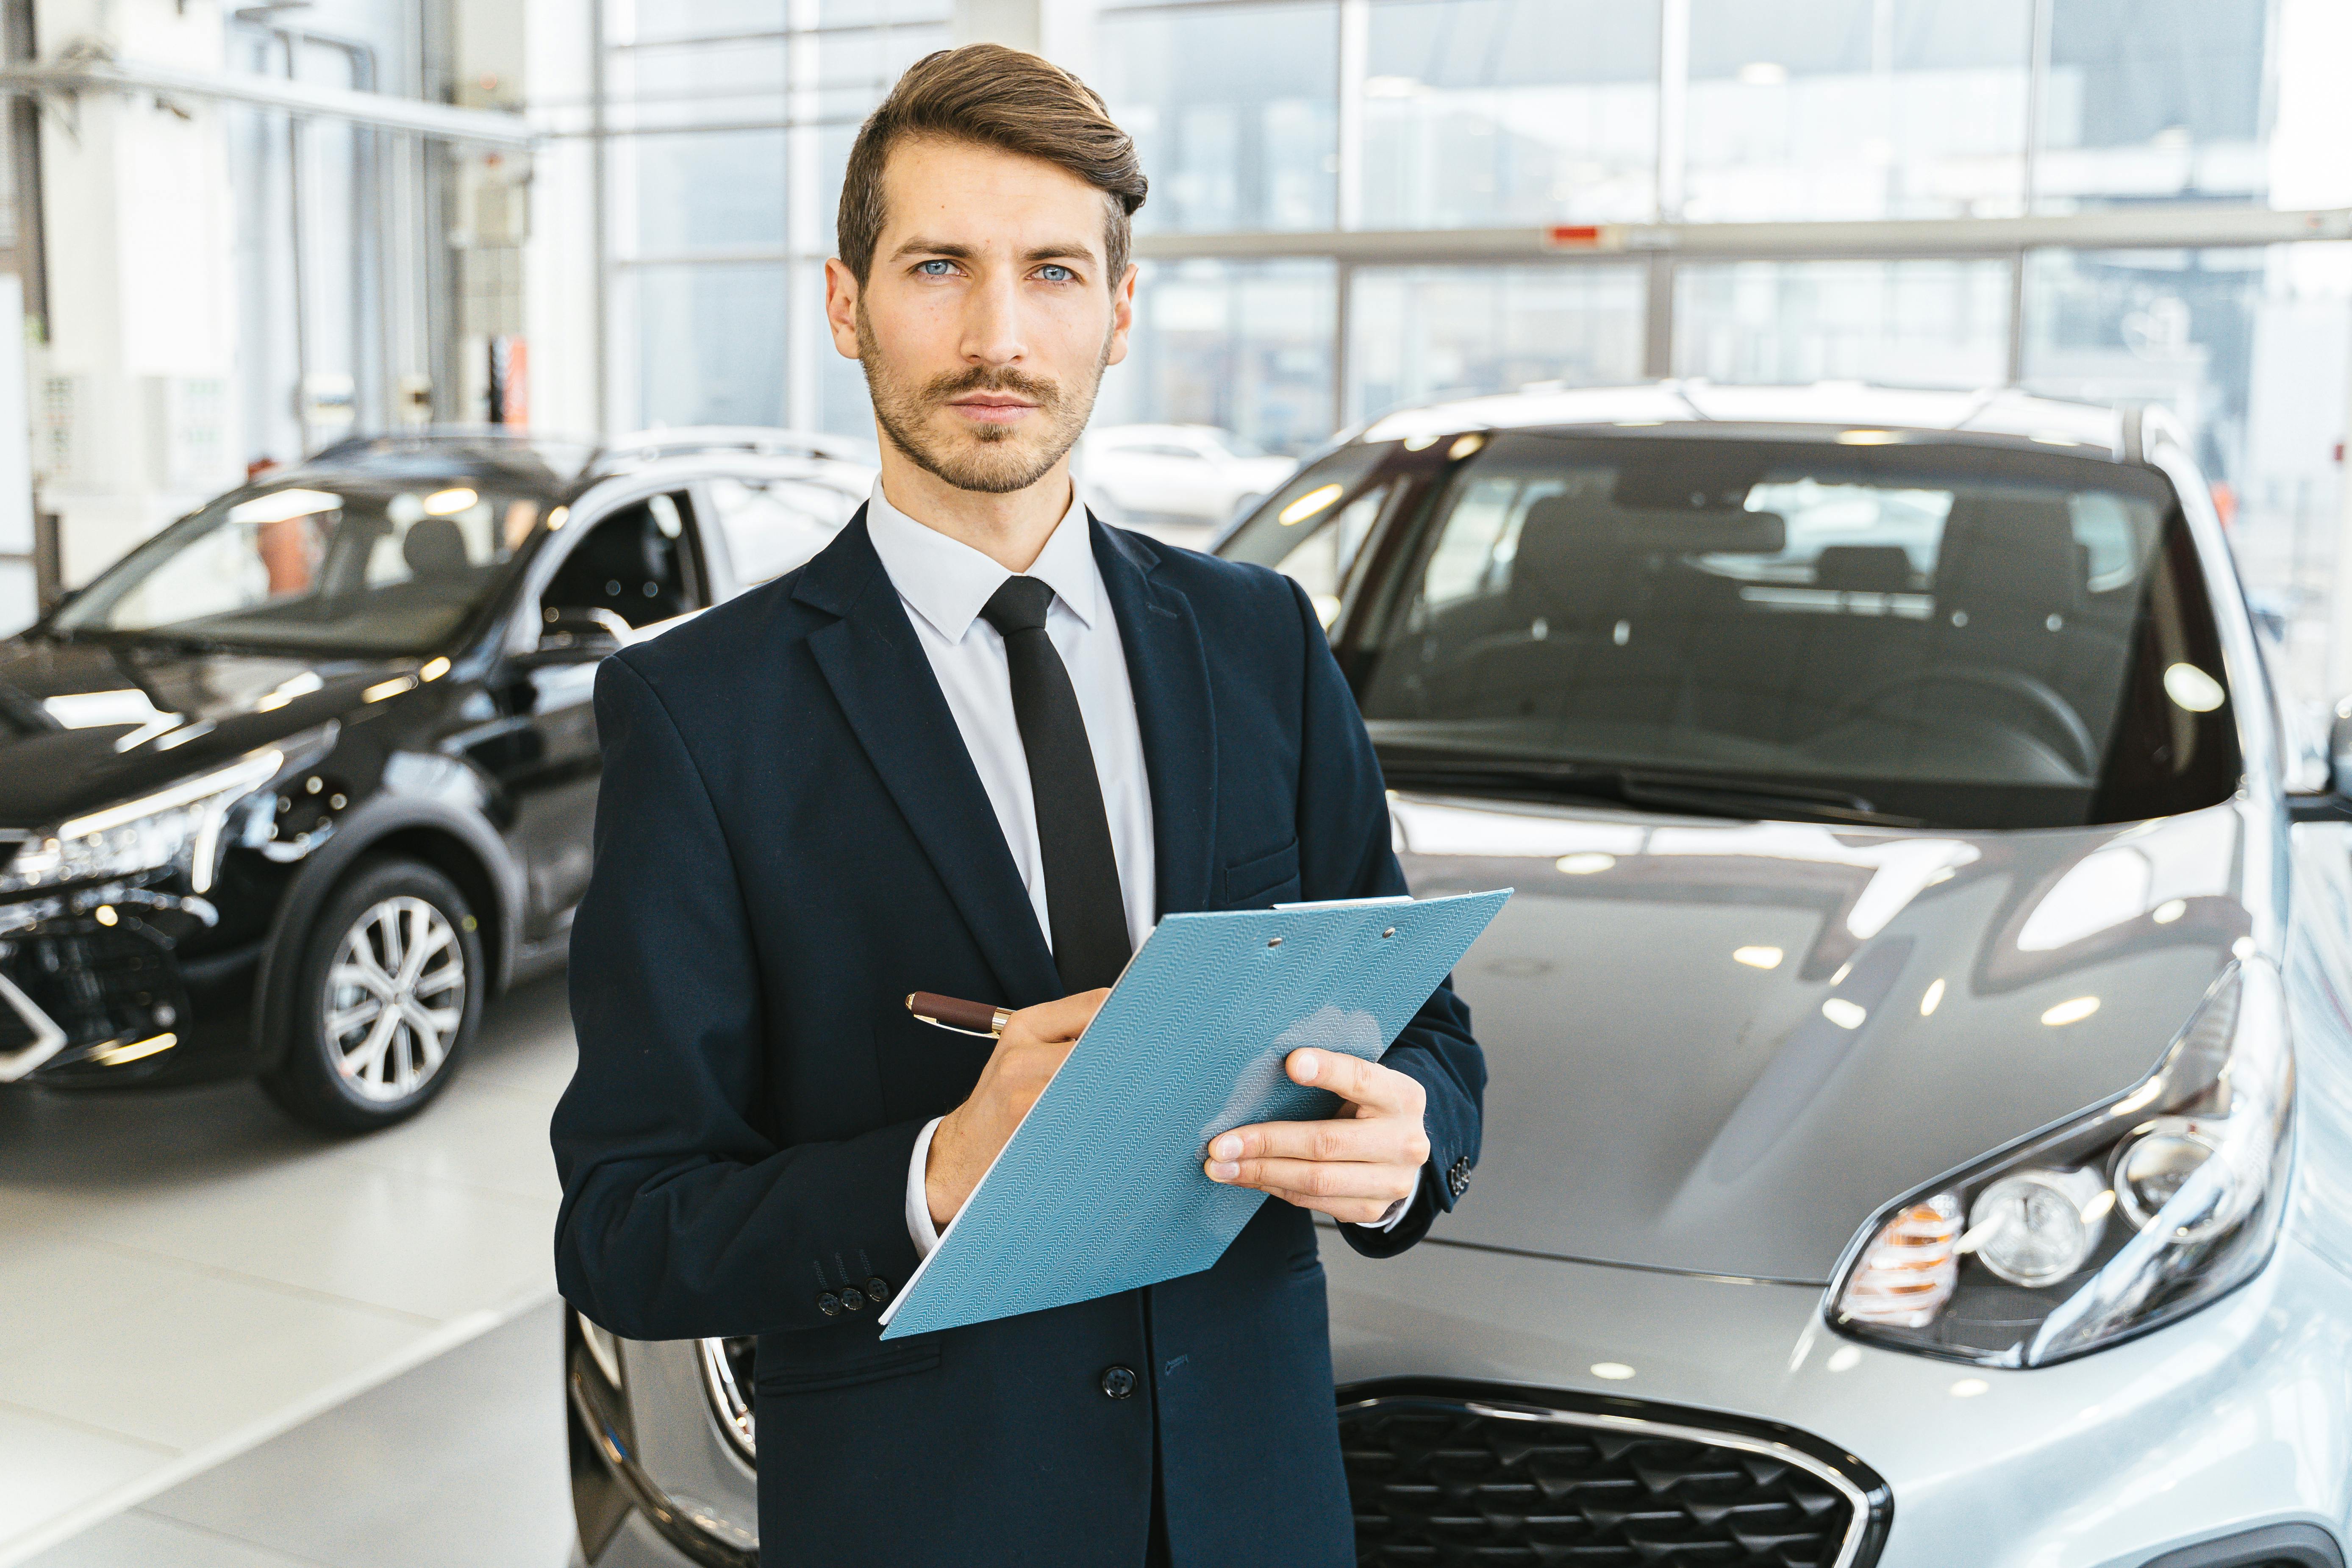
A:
{"x":185,"y":1276}
{"x":456,"y":1464}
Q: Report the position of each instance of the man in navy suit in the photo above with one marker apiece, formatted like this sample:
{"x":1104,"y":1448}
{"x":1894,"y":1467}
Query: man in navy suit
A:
{"x":977,"y":746}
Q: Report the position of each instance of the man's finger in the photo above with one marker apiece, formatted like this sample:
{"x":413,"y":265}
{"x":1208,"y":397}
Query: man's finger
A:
{"x":1347,"y":1138}
{"x":1065,"y":1018}
{"x":1321,"y":1179}
{"x":1352,"y":1078}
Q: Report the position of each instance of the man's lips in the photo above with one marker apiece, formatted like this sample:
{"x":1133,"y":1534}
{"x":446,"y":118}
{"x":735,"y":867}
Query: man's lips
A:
{"x":993,"y":408}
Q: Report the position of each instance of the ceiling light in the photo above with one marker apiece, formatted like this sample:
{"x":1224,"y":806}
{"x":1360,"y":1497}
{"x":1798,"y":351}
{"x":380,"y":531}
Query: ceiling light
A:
{"x":1758,"y":957}
{"x":1868,"y":437}
{"x":2193,"y":689}
{"x":1933,"y":999}
{"x":442,"y":503}
{"x":278,"y":506}
{"x":1586,"y":863}
{"x":1308,"y":505}
{"x":2072,"y":1011}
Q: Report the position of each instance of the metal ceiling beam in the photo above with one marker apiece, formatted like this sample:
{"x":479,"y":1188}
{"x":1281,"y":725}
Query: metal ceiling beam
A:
{"x":417,"y":117}
{"x":2102,"y":229}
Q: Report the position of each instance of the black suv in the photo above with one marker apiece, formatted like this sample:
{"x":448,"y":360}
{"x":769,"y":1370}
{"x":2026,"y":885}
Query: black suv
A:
{"x":294,"y":787}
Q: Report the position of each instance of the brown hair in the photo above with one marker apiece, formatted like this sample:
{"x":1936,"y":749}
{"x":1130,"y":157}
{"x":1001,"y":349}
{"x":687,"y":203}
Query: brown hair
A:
{"x":999,"y":98}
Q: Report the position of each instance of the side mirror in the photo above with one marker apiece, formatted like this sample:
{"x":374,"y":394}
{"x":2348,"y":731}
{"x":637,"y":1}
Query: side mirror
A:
{"x":567,"y":633}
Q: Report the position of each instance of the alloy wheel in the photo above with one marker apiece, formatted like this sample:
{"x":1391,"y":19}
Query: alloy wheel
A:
{"x":396,"y":997}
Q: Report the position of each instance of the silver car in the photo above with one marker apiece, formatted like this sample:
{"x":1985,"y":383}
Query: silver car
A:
{"x":1921,"y":1042}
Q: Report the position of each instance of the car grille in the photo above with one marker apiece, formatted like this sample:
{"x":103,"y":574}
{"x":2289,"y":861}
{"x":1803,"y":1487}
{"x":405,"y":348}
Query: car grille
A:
{"x":1442,"y":1477}
{"x":101,"y":983}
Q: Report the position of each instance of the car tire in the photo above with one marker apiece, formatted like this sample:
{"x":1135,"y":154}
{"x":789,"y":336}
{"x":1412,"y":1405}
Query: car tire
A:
{"x":347,"y":1067}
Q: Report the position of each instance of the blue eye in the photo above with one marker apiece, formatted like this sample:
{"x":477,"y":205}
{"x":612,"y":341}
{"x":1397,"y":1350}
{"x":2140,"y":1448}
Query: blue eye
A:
{"x":1066,"y":274}
{"x":926,"y":269}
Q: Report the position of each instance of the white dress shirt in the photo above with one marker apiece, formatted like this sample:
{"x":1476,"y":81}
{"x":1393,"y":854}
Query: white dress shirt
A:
{"x":944,"y":583}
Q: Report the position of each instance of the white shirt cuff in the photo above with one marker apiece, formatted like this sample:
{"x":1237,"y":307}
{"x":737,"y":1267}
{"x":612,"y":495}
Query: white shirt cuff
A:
{"x":1396,"y":1212}
{"x":919,"y":1228}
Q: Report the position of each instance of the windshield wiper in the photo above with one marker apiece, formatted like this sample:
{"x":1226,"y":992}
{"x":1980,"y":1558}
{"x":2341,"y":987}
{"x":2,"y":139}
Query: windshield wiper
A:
{"x":1701,"y":794}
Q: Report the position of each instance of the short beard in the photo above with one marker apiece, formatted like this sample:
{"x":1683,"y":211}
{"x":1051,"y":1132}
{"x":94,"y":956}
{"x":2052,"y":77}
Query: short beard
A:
{"x":1003,"y":461}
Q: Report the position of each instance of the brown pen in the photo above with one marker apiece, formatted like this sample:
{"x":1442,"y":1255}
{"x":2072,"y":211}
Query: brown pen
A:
{"x":983,"y":1018}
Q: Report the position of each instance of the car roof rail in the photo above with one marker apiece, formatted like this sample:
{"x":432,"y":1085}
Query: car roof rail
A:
{"x":754,"y":439}
{"x":508,"y":435}
{"x":557,"y":456}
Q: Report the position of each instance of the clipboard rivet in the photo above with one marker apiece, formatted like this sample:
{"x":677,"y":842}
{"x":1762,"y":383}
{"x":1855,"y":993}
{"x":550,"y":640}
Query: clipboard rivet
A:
{"x":1276,"y":943}
{"x":1389,"y":932}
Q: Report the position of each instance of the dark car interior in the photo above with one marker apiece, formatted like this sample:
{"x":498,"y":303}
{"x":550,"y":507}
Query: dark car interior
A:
{"x":1622,"y":602}
{"x":635,"y":563}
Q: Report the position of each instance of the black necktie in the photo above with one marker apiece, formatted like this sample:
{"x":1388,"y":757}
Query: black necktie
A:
{"x":1085,"y":912}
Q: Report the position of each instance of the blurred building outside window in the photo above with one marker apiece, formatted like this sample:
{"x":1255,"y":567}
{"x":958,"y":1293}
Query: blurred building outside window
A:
{"x":1300,"y":118}
{"x":1928,"y":322}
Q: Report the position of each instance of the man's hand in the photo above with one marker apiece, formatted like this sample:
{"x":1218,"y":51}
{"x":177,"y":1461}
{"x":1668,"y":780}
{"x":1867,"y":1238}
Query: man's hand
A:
{"x":1033,"y":1043}
{"x":1353,"y":1168}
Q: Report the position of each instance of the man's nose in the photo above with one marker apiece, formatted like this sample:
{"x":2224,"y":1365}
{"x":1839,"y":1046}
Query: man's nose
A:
{"x":992,"y":326}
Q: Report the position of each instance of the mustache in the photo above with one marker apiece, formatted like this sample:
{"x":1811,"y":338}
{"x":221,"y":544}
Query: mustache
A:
{"x":1044,"y":394}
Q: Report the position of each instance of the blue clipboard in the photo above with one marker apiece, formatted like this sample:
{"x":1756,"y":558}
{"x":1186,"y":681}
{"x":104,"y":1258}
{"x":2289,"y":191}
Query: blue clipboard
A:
{"x":1100,"y":1188}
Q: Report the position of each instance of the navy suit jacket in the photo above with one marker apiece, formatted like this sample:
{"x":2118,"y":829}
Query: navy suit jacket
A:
{"x":790,"y":837}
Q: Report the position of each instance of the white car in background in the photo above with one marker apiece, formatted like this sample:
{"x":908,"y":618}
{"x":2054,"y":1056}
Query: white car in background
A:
{"x":1181,"y":483}
{"x":778,"y":496}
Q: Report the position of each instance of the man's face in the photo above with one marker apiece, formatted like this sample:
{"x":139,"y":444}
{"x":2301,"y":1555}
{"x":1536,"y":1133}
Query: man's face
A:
{"x":984,"y":322}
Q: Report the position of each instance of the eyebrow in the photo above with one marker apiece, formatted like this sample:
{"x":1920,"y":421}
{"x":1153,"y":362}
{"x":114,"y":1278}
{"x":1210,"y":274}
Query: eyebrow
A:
{"x":1063,"y":250}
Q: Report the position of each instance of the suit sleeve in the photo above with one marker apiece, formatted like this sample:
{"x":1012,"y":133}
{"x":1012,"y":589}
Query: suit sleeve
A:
{"x":682,"y":1218}
{"x":1345,"y":852}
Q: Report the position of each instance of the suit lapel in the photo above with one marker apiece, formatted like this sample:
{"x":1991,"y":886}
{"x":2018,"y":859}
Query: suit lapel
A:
{"x":885,"y":687}
{"x":1170,"y":673}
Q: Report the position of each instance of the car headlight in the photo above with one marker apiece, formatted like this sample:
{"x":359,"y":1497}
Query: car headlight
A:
{"x":176,"y":827}
{"x":2144,"y":1209}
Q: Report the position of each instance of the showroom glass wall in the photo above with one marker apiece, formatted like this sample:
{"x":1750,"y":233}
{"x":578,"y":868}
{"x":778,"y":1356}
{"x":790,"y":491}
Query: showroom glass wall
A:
{"x":727,"y":125}
{"x":1298,"y":119}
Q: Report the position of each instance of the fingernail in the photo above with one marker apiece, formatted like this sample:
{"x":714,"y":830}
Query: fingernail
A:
{"x":1310,"y":1066}
{"x":1227,"y":1147}
{"x":1223,"y":1170}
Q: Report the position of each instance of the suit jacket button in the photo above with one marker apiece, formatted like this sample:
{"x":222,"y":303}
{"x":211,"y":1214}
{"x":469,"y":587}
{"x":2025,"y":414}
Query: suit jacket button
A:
{"x":851,"y":1300}
{"x":877,"y":1289}
{"x":829,"y":1304}
{"x":1118,"y":1382}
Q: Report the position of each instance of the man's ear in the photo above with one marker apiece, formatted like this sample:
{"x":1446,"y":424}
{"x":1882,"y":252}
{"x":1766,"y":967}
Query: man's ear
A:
{"x":1122,"y":315}
{"x":841,"y":307}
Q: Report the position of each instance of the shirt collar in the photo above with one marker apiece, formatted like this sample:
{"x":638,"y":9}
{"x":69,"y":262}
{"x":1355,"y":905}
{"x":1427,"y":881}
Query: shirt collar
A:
{"x":947,"y":581}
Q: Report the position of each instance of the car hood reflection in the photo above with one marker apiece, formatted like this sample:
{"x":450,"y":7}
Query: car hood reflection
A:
{"x":86,"y":724}
{"x":1721,"y":1047}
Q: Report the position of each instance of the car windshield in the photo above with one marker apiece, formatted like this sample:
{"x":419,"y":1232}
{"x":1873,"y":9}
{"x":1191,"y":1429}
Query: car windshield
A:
{"x":1961,"y":635}
{"x":358,"y":567}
